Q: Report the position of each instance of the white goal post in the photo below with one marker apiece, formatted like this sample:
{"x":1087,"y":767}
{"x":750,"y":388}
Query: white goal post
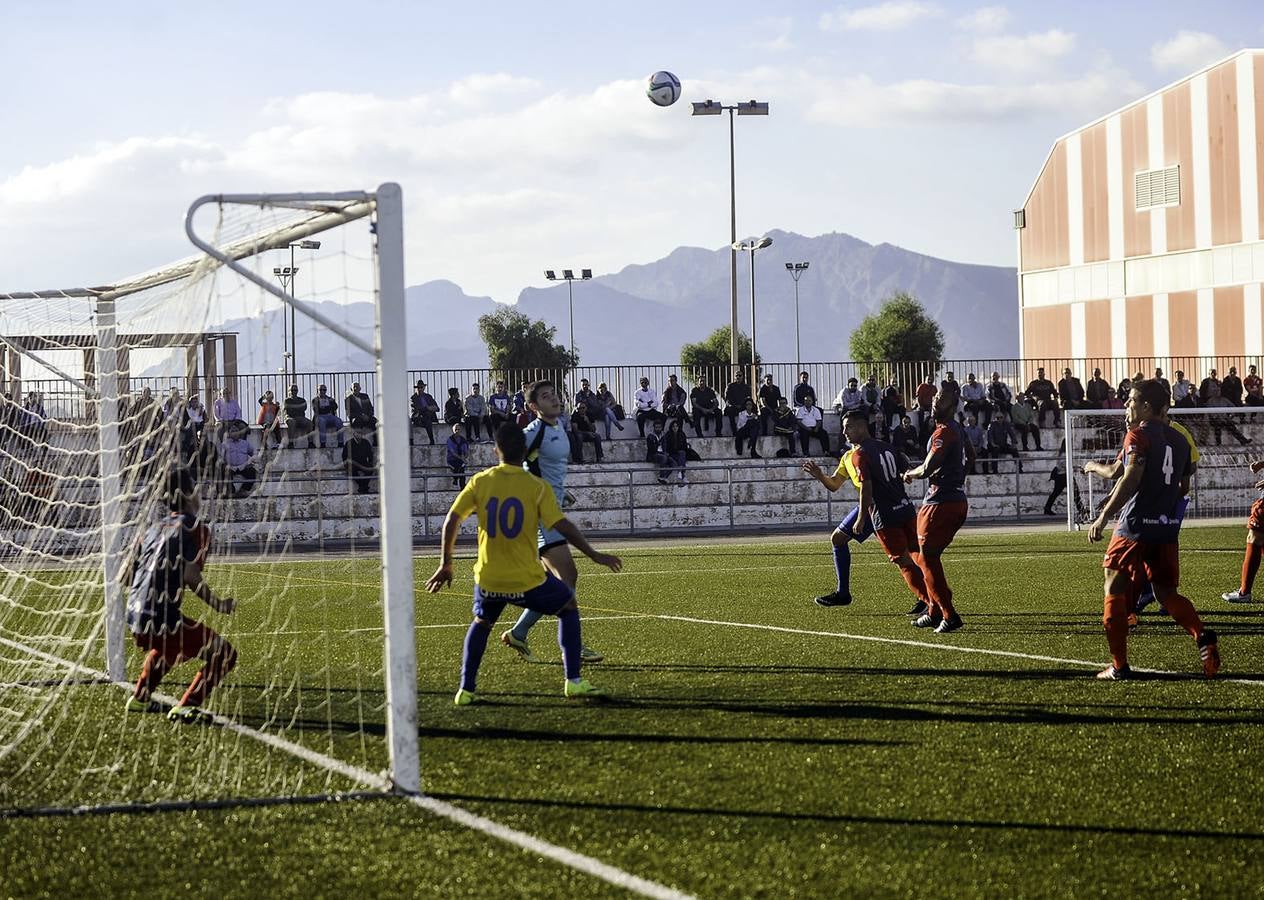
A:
{"x":1228,"y":440}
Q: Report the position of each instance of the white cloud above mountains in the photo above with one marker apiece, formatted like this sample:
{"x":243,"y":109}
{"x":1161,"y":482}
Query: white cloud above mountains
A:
{"x":1187,"y":51}
{"x":889,"y":16}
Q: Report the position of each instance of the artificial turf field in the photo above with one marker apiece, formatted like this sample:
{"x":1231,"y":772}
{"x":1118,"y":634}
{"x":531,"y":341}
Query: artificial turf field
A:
{"x":819,"y":752}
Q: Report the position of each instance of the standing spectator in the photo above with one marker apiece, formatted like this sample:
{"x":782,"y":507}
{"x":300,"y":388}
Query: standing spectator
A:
{"x":296,"y":422}
{"x":849,"y":398}
{"x":675,"y":447}
{"x":735,"y":397}
{"x":583,"y":431}
{"x":1042,"y":392}
{"x":655,"y":452}
{"x":325,"y":413}
{"x":647,"y":406}
{"x":1096,"y":390}
{"x":785,"y":423}
{"x":904,"y":438}
{"x":269,"y":419}
{"x":811,"y":424}
{"x":239,"y":471}
{"x":1222,"y":423}
{"x":769,"y":400}
{"x":978,"y":441}
{"x":674,"y":400}
{"x":520,"y":400}
{"x":1070,"y":391}
{"x":1059,"y":478}
{"x":1231,"y":387}
{"x":358,"y":457}
{"x":458,"y":448}
{"x":453,"y":408}
{"x":173,"y":407}
{"x":873,"y":399}
{"x":999,"y":394}
{"x":802,"y":389}
{"x":748,"y":428}
{"x":1254,"y":387}
{"x":1001,"y":441}
{"x":1182,"y":392}
{"x":974,"y":395}
{"x":360,"y":412}
{"x":423,"y":410}
{"x":705,"y":405}
{"x":925,"y":396}
{"x":1023,"y":416}
{"x":951,"y":387}
{"x":892,"y":408}
{"x":37,"y":417}
{"x":1210,"y":383}
{"x":499,"y":408}
{"x":1158,"y":376}
{"x":476,"y":414}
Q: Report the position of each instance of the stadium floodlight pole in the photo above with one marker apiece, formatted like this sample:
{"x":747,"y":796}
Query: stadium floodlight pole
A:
{"x":749,"y":108}
{"x":750,"y":247}
{"x":293,"y":352}
{"x":796,"y":270}
{"x":568,"y":275}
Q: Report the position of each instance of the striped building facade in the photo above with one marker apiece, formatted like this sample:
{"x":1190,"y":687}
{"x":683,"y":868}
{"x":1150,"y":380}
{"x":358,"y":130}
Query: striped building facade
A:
{"x":1141,"y":238}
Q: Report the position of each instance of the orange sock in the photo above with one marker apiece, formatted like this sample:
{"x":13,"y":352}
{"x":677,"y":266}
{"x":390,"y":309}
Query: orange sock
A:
{"x":1115,"y":621}
{"x":1180,"y":609}
{"x":1250,"y":565}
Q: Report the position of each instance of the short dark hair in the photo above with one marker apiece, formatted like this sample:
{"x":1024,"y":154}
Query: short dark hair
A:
{"x":1151,"y":392}
{"x":511,"y":443}
{"x":533,"y":392}
{"x":179,"y":488}
{"x":857,"y":415}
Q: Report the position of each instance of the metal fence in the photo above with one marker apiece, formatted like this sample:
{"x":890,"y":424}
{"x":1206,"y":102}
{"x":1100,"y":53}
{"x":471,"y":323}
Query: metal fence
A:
{"x":63,"y":401}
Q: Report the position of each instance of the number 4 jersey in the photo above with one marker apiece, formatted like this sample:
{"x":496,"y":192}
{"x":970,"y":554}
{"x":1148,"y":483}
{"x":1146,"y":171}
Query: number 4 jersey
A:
{"x":511,"y":504}
{"x":1151,"y":516}
{"x":877,"y":463}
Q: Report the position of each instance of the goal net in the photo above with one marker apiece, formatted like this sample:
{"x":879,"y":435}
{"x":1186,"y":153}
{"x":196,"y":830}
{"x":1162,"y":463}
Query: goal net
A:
{"x":1228,"y":440}
{"x":200,"y":367}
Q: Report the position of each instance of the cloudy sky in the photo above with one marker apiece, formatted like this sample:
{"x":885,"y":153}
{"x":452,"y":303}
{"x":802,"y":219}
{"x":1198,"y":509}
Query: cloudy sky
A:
{"x":521,"y":134}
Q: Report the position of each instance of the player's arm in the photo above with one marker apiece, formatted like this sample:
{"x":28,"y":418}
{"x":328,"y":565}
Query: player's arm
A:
{"x":832,"y":481}
{"x":866,"y":501}
{"x":932,"y":462}
{"x":193,"y":581}
{"x":1109,"y":471}
{"x":569,"y":530}
{"x":1124,"y":489}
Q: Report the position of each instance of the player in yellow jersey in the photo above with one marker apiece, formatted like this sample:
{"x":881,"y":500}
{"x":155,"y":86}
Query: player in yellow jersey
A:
{"x":511,"y":505}
{"x":846,"y":530}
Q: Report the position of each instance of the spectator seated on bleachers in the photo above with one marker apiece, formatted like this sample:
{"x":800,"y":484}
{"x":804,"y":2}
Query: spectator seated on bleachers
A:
{"x":849,"y":398}
{"x":1095,"y":391}
{"x":1070,"y":392}
{"x":269,"y":419}
{"x":786,"y":424}
{"x":423,"y":410}
{"x":1042,"y":391}
{"x":675,"y":401}
{"x":999,"y":395}
{"x":458,"y":450}
{"x":675,"y":446}
{"x":1112,"y":400}
{"x":706,"y":406}
{"x":974,"y":395}
{"x":1001,"y":440}
{"x":803,"y":388}
{"x":325,"y":413}
{"x":1231,"y":387}
{"x":596,"y":407}
{"x":195,"y":415}
{"x":359,"y":459}
{"x":1183,"y":395}
{"x":655,"y":452}
{"x":454,"y":408}
{"x":904,"y":438}
{"x":297,"y":425}
{"x":647,"y":406}
{"x":1210,"y":383}
{"x":978,"y":440}
{"x":892,"y":408}
{"x":583,"y":431}
{"x":475,"y":414}
{"x":925,"y":395}
{"x":951,"y":386}
{"x":499,"y":408}
{"x":873,"y":400}
{"x":769,"y":398}
{"x":239,"y":472}
{"x":1254,"y":387}
{"x":1219,"y":424}
{"x":615,"y":414}
{"x":360,"y":413}
{"x":227,"y":412}
{"x":735,"y":397}
{"x":811,"y":419}
{"x":1022,"y":416}
{"x":748,"y":429}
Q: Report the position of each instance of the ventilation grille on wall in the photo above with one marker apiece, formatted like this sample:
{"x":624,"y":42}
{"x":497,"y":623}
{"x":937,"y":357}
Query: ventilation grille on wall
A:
{"x":1158,"y":187}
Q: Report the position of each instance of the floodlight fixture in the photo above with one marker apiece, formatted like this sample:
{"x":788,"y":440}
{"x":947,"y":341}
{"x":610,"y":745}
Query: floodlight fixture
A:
{"x":707,"y":108}
{"x":550,"y":275}
{"x":585,"y":274}
{"x":752,"y":108}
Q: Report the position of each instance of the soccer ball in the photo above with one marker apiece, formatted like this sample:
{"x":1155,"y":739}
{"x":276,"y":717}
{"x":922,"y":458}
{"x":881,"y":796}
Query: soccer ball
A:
{"x":663,"y":88}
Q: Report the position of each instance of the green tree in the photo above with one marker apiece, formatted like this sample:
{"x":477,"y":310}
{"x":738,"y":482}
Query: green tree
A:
{"x":900,"y":331}
{"x":515,"y":343}
{"x":710,"y":356}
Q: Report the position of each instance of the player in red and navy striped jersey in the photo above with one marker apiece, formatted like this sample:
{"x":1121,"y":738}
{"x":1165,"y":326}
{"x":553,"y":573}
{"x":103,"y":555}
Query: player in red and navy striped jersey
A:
{"x":1148,"y":498}
{"x":944,"y":510}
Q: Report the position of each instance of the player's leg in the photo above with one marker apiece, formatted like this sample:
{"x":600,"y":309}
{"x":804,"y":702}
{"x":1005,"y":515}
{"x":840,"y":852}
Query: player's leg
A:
{"x":1251,"y":559}
{"x":840,"y":541}
{"x":897,"y":541}
{"x":555,"y":553}
{"x":1163,"y":567}
{"x":556,"y":598}
{"x":219,"y":658}
{"x":937,"y":525}
{"x":486,"y":612}
{"x":160,"y":656}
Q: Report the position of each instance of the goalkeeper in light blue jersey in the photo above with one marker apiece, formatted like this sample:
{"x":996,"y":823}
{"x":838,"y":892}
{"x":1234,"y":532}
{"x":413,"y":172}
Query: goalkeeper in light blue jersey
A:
{"x":550,"y":453}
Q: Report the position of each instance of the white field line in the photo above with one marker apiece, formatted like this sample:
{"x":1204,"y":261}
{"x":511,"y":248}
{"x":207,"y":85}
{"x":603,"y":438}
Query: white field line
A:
{"x":569,"y":858}
{"x":378,"y":628}
{"x":1013,"y":654}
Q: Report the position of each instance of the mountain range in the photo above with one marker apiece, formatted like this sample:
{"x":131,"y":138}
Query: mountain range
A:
{"x":645,"y":312}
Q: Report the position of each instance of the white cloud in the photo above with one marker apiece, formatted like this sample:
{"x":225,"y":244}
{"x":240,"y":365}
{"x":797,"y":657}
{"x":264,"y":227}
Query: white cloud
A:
{"x":986,"y":19}
{"x":883,"y":17}
{"x":862,"y":102}
{"x":774,"y":34}
{"x":1029,"y":53}
{"x":1187,"y":51}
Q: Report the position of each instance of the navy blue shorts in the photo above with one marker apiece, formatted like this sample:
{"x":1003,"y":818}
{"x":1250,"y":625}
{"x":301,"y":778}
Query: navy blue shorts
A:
{"x":848,"y":526}
{"x":547,"y":598}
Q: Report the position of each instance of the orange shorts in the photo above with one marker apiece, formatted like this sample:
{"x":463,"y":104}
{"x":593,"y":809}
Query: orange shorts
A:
{"x":1255,"y":521}
{"x":938,"y":523}
{"x":186,"y":642}
{"x":898,"y":539}
{"x":1157,"y":563}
